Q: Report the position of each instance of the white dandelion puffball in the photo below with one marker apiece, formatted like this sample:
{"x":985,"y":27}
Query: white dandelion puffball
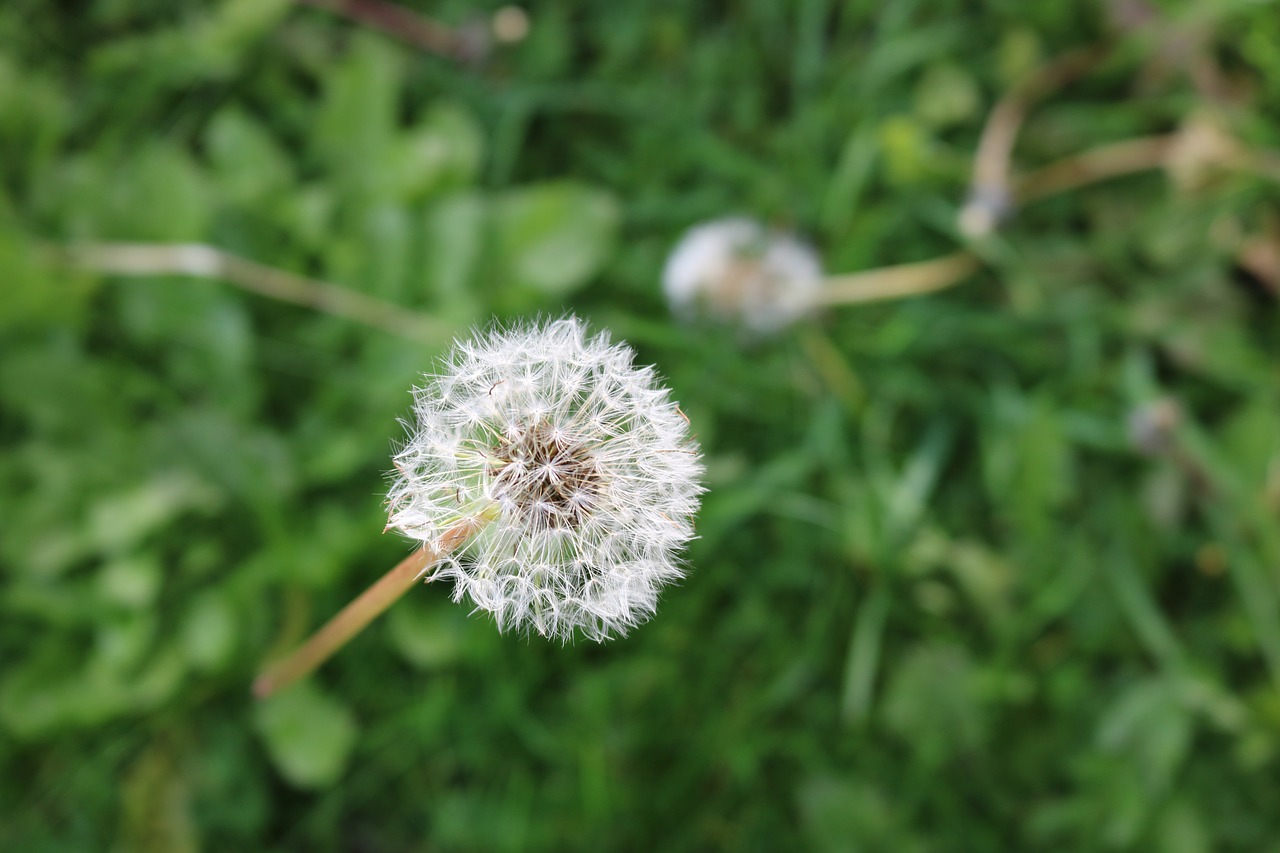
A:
{"x":736,"y":270}
{"x":576,"y":465}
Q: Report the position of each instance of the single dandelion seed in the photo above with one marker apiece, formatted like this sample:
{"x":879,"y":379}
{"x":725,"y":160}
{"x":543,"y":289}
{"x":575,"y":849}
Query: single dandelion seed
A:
{"x":738,"y":271}
{"x":552,"y":480}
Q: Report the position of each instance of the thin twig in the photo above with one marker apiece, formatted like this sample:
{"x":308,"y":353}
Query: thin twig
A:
{"x":355,"y":616}
{"x":203,"y":261}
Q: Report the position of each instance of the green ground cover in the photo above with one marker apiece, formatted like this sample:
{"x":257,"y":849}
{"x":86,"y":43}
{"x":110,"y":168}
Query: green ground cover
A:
{"x":941,"y":598}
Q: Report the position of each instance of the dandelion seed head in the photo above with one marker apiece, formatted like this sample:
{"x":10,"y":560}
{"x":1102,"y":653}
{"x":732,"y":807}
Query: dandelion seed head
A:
{"x":737,"y":271}
{"x":1153,"y":426}
{"x":581,"y":465}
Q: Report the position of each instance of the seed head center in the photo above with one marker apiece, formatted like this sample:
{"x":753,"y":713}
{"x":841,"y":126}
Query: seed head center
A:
{"x":552,"y":479}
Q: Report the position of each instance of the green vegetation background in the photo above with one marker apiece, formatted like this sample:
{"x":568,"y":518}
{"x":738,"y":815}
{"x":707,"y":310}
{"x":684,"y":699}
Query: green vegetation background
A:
{"x":938,"y":603}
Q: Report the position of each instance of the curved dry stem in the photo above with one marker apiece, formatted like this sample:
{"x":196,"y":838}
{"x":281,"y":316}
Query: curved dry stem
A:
{"x":1263,"y":164}
{"x":1095,"y":165}
{"x":990,"y":188}
{"x":202,"y":261}
{"x":1138,"y":155}
{"x":1069,"y":173}
{"x":898,"y":281}
{"x":360,"y":612}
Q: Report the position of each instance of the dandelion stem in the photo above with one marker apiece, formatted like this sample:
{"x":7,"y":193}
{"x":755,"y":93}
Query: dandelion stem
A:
{"x":1095,"y":165}
{"x":1073,"y":172}
{"x":360,"y":612}
{"x":898,"y":281}
{"x":203,"y":261}
{"x":990,"y":189}
{"x":462,"y":43}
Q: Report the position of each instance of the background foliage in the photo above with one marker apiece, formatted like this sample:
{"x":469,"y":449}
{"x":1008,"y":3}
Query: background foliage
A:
{"x":939,"y":601}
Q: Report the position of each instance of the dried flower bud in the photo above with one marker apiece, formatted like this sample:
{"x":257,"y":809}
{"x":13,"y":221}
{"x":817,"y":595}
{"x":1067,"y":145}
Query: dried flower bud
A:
{"x":738,"y":271}
{"x":580,"y":464}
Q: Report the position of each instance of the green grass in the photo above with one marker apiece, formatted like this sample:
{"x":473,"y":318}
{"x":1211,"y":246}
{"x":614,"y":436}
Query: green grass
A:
{"x":938,"y":602}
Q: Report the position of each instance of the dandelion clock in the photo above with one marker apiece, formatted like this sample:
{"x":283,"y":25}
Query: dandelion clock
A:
{"x":737,"y":271}
{"x":548,"y":477}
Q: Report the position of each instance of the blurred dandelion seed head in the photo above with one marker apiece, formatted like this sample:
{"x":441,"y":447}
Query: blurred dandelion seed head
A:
{"x":580,"y":463}
{"x":738,"y":271}
{"x":1153,"y":426}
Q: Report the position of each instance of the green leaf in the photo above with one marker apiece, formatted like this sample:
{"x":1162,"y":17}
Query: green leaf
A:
{"x":131,"y":581}
{"x":248,"y":164}
{"x":387,"y":239}
{"x":1149,"y":726}
{"x":1251,"y":442}
{"x":308,"y":735}
{"x":905,"y":149}
{"x":428,"y":636}
{"x":119,"y":521}
{"x":155,"y":800}
{"x":158,"y":194}
{"x":946,"y":95}
{"x":851,"y":815}
{"x":1182,"y":829}
{"x":34,"y":293}
{"x":452,"y":249}
{"x":122,"y":644}
{"x":932,"y":701}
{"x":208,"y":635}
{"x":34,"y":113}
{"x":444,"y":152}
{"x":550,"y":239}
{"x":354,"y":129}
{"x":46,"y":692}
{"x":237,"y":26}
